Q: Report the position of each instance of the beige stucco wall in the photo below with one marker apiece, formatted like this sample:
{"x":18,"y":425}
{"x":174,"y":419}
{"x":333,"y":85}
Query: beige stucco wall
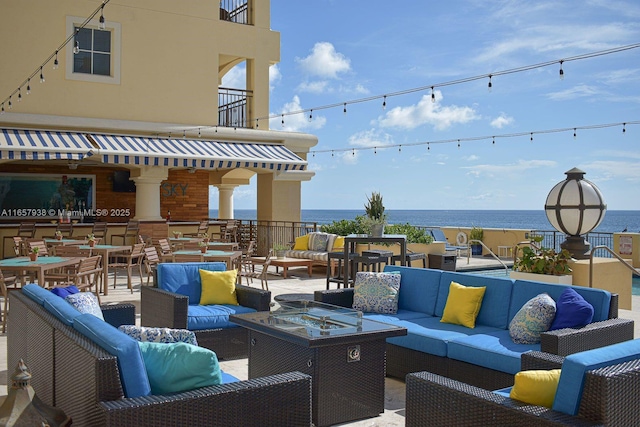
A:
{"x":609,"y":274}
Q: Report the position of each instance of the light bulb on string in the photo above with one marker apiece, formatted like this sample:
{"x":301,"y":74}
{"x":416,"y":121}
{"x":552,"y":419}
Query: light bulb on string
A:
{"x":283,"y":120}
{"x":433,"y":95}
{"x":199,"y":134}
{"x":216,"y":129}
{"x":28,"y":85}
{"x":41,"y":76}
{"x":311,"y":115}
{"x":575,"y":135}
{"x":624,"y":128}
{"x":331,"y":153}
{"x":561,"y":71}
{"x":101,"y":23}
{"x":257,"y":123}
{"x":400,"y":148}
{"x":384,"y":103}
{"x":353,"y":152}
{"x":375,"y":149}
{"x":493,"y":140}
{"x":490,"y":85}
{"x":344,"y":108}
{"x":19,"y":94}
{"x":76,"y":47}
{"x":10,"y":104}
{"x":55,"y":62}
{"x":458,"y":143}
{"x":184,"y":134}
{"x":2,"y":109}
{"x":428,"y":147}
{"x":531,"y":137}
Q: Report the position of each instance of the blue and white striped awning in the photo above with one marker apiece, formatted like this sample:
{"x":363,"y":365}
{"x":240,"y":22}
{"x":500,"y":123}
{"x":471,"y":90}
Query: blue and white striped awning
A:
{"x":43,"y":145}
{"x":129,"y":150}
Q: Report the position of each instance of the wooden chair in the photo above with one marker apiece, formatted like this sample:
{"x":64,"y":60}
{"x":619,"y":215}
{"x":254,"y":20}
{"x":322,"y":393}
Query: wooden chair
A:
{"x":248,"y":270}
{"x":166,"y":253}
{"x":230,"y":233}
{"x":19,"y":246}
{"x":249,"y":250}
{"x":36,"y":243}
{"x":100,"y":230}
{"x":128,"y":262}
{"x":188,"y":258}
{"x":151,"y":261}
{"x":7,"y":283}
{"x":66,"y":228}
{"x":71,"y":251}
{"x":27,"y":230}
{"x":87,"y":274}
{"x":130,"y":231}
{"x":203,"y":228}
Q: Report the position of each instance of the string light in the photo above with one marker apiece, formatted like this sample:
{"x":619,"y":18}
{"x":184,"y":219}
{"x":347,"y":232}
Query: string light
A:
{"x":257,"y":123}
{"x":283,"y":120}
{"x":428,"y":147}
{"x":2,"y":110}
{"x":310,"y":115}
{"x":494,"y":140}
{"x":10,"y":104}
{"x":55,"y":62}
{"x":458,"y":143}
{"x":624,"y":128}
{"x":400,"y":148}
{"x":28,"y":85}
{"x":19,"y":94}
{"x":531,"y":137}
{"x":375,"y":150}
{"x":575,"y":135}
{"x":41,"y":75}
{"x":199,"y":133}
{"x":353,"y":152}
{"x":561,"y":71}
{"x":101,"y":23}
{"x":433,"y":95}
{"x":76,"y":47}
{"x":490,"y":85}
{"x":384,"y":103}
{"x":344,"y":109}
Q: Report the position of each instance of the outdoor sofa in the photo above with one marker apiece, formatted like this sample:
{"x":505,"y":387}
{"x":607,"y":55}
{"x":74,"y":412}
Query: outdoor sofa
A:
{"x":484,"y":356}
{"x":94,"y":373}
{"x":595,"y":387}
{"x":316,"y":246}
{"x":174,"y":302}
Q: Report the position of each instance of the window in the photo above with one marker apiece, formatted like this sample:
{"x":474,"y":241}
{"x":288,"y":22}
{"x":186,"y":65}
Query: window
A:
{"x":98,"y":59}
{"x":94,"y":56}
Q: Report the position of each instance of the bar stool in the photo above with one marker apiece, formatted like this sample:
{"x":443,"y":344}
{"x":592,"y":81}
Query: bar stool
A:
{"x":338,"y":278}
{"x":383,"y":254}
{"x":368,"y":263}
{"x":413,"y":256}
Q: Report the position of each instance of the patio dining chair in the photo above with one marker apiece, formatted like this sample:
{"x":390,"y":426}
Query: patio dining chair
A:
{"x":128,"y":262}
{"x":131,"y":231}
{"x":248,"y":270}
{"x":37,"y":243}
{"x":7,"y":283}
{"x":203,"y":228}
{"x":166,"y":253}
{"x":188,"y":258}
{"x":87,"y":274}
{"x":99,"y":230}
{"x":151,"y":261}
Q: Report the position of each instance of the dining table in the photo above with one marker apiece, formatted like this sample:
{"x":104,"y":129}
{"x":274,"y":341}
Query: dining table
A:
{"x":64,"y":242}
{"x":231,"y":258}
{"x":40,"y":266}
{"x":105,"y":251}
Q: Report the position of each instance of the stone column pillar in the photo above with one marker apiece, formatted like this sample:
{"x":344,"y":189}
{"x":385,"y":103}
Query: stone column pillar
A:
{"x":148,"y":180}
{"x":225,"y":200}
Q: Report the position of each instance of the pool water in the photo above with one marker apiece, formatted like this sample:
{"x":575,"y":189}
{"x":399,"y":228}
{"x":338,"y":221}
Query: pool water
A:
{"x":501,"y":272}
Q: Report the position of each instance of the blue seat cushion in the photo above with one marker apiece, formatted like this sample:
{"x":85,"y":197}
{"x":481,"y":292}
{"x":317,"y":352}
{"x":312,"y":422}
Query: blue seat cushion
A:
{"x":213,"y":316}
{"x":37,"y":293}
{"x":184,"y":278}
{"x":576,"y":365}
{"x":491,"y":349}
{"x":228,"y":378}
{"x":60,"y":308}
{"x":400,"y":315}
{"x":133,"y":373}
{"x":428,"y":335}
{"x":418,"y":288}
{"x":494,"y":310}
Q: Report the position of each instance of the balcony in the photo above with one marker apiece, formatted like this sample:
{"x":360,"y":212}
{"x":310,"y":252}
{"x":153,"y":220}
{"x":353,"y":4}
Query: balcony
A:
{"x":235,"y":11}
{"x":233,"y":107}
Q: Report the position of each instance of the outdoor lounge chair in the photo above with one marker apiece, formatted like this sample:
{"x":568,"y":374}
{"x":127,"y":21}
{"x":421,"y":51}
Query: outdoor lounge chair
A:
{"x":438,"y":236}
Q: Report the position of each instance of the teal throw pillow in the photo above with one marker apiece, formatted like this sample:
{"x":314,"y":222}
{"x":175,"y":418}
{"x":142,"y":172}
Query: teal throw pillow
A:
{"x":179,"y":367}
{"x":532,"y":319}
{"x":376,"y":292}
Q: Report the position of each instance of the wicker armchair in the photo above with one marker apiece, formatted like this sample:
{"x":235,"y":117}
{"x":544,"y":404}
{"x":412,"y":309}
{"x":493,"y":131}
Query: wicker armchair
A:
{"x":610,"y":398}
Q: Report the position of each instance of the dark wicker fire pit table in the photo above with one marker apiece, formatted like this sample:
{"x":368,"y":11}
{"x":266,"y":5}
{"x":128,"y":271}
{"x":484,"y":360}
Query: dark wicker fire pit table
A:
{"x":343,"y":352}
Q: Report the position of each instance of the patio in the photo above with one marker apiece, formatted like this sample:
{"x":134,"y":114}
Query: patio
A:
{"x":298,"y":281}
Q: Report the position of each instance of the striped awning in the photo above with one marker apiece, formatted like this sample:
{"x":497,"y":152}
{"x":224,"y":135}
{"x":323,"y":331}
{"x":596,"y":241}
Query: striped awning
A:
{"x":129,"y":150}
{"x":43,"y":145}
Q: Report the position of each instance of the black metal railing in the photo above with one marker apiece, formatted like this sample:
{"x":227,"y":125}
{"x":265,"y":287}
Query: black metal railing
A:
{"x":233,"y":107}
{"x":235,"y":11}
{"x":553,"y":239}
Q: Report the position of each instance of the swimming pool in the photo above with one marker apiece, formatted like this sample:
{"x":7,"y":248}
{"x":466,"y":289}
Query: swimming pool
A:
{"x":501,"y":272}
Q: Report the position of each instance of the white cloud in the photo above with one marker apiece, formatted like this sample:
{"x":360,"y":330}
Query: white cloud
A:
{"x":427,"y":112}
{"x":235,"y":77}
{"x":320,"y":86}
{"x":501,"y":121}
{"x":611,"y":169}
{"x":296,"y":122}
{"x":324,"y":61}
{"x":509,"y":169}
{"x":472,"y":158}
{"x":371,"y":138}
{"x":274,"y":76}
{"x":580,"y":91}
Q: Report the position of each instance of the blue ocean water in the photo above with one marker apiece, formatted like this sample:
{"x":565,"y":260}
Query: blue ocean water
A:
{"x":614,"y":221}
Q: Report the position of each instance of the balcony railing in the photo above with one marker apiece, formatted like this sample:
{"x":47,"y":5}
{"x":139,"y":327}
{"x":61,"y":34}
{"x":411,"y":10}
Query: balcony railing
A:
{"x":553,"y":239}
{"x":233,"y":107}
{"x":235,"y":11}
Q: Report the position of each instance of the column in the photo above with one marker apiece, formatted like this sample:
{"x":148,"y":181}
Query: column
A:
{"x":148,"y":180}
{"x":225,"y":200}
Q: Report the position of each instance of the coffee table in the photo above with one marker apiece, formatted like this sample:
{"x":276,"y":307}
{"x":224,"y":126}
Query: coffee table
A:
{"x":285,"y":263}
{"x":343,"y":352}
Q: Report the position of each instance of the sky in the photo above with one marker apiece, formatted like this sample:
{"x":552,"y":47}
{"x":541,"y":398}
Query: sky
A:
{"x":338,"y":51}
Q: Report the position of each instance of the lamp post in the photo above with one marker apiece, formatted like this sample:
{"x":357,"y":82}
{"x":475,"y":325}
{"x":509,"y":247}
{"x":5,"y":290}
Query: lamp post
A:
{"x":575,"y":207}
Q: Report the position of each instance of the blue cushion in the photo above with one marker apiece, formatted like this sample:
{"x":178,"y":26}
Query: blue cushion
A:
{"x":176,"y":367}
{"x":184,"y":278}
{"x":572,"y":311}
{"x":61,"y":309}
{"x":228,"y":378}
{"x":37,"y":293}
{"x":494,"y":311}
{"x":400,"y":315}
{"x":133,"y":374}
{"x":524,"y":290}
{"x":213,"y":316}
{"x":64,"y":291}
{"x":491,"y":349}
{"x":418,"y":288}
{"x":576,"y":365}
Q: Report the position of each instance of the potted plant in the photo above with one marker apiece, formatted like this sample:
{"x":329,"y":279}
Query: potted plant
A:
{"x":177,"y":234}
{"x":476,"y":234}
{"x":203,"y":246}
{"x":543,"y":264}
{"x":91,"y":238}
{"x":59,"y":235}
{"x":376,"y":218}
{"x":33,"y":255}
{"x":280,"y":250}
{"x":205,"y":237}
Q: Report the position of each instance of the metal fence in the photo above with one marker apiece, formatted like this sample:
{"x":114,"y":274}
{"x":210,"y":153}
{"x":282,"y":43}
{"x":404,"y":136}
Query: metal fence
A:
{"x":233,"y":107}
{"x":553,"y":239}
{"x":235,"y":11}
{"x":267,"y":234}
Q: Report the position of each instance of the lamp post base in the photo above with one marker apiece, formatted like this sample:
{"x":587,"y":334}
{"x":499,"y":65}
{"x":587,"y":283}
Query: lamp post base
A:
{"x":577,"y":246}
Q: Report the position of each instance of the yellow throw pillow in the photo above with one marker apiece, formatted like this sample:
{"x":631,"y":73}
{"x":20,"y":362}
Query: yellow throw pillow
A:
{"x":536,"y":387}
{"x":338,"y":244}
{"x":463,"y":305}
{"x":218,"y":287}
{"x":302,"y":243}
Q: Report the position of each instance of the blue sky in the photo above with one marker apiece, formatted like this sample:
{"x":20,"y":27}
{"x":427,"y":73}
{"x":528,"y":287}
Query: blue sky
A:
{"x":337,"y":51}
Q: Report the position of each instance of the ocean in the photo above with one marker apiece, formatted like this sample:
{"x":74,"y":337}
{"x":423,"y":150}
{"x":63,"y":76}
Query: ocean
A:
{"x":614,"y":221}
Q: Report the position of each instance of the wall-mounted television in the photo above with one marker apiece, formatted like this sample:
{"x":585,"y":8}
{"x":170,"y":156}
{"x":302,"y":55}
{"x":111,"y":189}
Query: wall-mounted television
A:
{"x":122,"y":183}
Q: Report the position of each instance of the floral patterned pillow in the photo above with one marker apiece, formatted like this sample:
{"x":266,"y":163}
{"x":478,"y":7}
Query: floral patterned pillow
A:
{"x":162,"y":335}
{"x":85,"y":302}
{"x":376,"y":292}
{"x":318,"y":242}
{"x":532,"y":319}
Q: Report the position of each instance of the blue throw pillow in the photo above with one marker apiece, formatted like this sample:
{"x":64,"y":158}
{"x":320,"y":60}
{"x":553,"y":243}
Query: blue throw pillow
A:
{"x":572,"y":311}
{"x":64,"y":291}
{"x":179,"y":366}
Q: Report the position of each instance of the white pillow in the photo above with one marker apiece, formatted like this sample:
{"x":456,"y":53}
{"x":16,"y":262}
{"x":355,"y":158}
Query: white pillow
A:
{"x":85,"y":302}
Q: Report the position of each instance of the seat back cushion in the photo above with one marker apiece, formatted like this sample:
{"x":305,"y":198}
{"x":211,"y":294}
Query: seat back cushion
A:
{"x":418,"y":288}
{"x":133,"y":374}
{"x":576,"y":365}
{"x":37,"y":293}
{"x":524,"y":290}
{"x":495,"y":304}
{"x":61,"y":309}
{"x":184,"y":277}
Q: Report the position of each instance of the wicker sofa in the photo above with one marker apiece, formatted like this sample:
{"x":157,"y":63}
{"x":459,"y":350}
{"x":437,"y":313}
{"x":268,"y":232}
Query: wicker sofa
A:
{"x":316,"y":247}
{"x":484,"y":356}
{"x":173,"y":302}
{"x":596,"y":387}
{"x":75,"y":374}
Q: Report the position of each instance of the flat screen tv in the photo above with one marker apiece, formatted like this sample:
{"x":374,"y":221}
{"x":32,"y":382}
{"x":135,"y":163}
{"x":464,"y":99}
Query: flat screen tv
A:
{"x":122,"y":183}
